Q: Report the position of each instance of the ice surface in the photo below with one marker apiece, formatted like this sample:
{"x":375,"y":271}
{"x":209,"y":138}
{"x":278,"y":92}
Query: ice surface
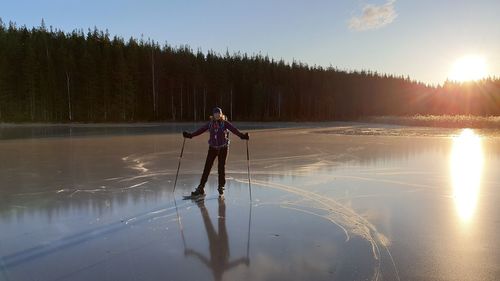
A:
{"x":338,"y":201}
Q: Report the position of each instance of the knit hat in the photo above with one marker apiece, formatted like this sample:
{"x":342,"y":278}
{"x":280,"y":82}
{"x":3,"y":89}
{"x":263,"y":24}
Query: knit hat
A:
{"x":217,"y":110}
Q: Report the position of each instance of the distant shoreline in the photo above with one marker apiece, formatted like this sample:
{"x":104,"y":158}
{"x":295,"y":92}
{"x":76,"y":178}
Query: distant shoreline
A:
{"x":434,"y":121}
{"x":438,"y":121}
{"x":168,"y":123}
{"x":376,"y":126}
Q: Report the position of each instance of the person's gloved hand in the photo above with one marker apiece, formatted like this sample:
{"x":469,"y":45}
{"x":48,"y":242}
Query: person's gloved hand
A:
{"x":187,"y":135}
{"x":245,"y":136}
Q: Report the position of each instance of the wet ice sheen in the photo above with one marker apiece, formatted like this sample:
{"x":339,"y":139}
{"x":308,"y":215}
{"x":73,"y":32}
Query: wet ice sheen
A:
{"x":328,"y":204}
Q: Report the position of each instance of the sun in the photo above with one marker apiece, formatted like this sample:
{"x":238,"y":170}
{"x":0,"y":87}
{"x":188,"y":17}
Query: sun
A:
{"x":468,"y":68}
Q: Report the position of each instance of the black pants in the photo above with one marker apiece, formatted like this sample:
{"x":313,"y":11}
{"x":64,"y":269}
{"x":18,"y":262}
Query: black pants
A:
{"x":213,"y":153}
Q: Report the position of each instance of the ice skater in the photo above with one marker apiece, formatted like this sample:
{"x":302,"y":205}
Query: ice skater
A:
{"x":218,"y":145}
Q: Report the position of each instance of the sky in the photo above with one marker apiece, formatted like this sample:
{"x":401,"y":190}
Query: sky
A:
{"x":421,"y":39}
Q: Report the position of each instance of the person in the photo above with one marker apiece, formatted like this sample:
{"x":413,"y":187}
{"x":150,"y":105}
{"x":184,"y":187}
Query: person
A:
{"x":218,"y":145}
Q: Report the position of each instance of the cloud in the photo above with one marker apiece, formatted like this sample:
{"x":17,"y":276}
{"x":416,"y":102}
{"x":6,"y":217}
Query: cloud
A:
{"x":374,"y":17}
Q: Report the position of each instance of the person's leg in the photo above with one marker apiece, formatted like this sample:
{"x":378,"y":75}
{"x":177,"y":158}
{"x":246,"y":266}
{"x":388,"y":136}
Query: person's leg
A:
{"x":212,"y":153}
{"x":222,"y":166}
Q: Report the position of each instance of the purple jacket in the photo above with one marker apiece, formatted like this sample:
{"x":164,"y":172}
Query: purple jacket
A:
{"x":219,"y":135}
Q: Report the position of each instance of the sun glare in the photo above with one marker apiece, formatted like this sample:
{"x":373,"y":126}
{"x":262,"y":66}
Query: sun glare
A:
{"x":466,"y":165}
{"x":468,"y":68}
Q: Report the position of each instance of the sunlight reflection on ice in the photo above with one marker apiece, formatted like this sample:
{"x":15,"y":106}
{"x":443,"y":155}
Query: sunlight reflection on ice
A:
{"x":466,"y":166}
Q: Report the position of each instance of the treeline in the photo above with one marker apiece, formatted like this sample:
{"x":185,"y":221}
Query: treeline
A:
{"x":47,"y":75}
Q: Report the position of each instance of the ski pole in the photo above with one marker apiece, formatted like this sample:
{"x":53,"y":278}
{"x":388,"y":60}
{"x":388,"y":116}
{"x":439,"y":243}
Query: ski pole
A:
{"x":250,"y":212}
{"x":248,"y":168}
{"x":179,"y":165}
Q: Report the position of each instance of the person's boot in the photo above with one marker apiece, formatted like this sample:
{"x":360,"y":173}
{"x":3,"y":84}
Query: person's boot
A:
{"x":198,"y":191}
{"x":221,"y":190}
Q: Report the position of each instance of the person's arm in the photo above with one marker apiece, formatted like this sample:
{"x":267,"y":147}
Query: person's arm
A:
{"x":200,"y":131}
{"x":243,"y":136}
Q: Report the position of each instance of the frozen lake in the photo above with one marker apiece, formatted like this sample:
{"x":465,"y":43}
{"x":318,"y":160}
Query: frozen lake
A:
{"x":331,"y":201}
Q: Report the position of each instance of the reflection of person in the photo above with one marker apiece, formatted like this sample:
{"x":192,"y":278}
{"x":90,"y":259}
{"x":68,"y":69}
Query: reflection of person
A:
{"x":219,"y":243}
{"x":218,"y":127}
